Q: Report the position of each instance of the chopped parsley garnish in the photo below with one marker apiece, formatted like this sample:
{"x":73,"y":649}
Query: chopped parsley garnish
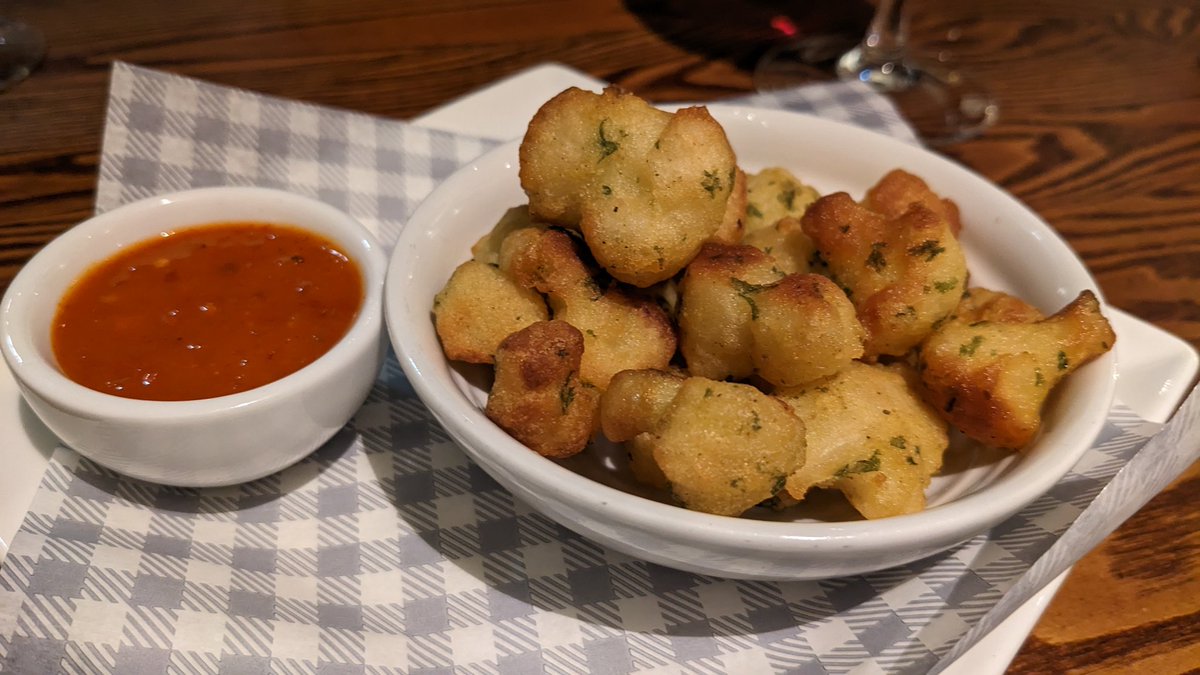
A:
{"x":945,"y":286}
{"x":606,"y":190}
{"x":593,"y":287}
{"x":752,"y":210}
{"x":788,"y":198}
{"x":1062,"y":360}
{"x":607,"y":145}
{"x":780,"y":481}
{"x":711,"y":183}
{"x":1038,"y":380}
{"x":899,"y":442}
{"x":930,"y":249}
{"x":566,"y":395}
{"x":746,"y":290}
{"x":968,"y":348}
{"x":875,"y":260}
{"x":861,"y":466}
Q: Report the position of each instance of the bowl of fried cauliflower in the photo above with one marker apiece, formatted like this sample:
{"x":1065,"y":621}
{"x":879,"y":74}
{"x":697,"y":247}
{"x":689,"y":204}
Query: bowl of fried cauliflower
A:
{"x":748,"y":343}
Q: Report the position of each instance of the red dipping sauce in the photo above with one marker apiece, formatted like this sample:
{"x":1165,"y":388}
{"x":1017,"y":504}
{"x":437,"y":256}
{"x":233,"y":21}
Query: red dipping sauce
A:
{"x":206,"y":311}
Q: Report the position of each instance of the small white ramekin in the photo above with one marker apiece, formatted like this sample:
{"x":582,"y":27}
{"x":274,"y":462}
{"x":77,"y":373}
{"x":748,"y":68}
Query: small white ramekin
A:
{"x":210,"y":442}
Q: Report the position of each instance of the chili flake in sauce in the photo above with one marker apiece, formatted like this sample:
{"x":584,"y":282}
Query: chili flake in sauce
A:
{"x":206,"y":311}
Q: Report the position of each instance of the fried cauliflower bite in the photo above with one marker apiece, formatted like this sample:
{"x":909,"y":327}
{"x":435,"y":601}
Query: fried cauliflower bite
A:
{"x":786,"y":242}
{"x":537,"y":396}
{"x":630,"y":409}
{"x":620,"y":330}
{"x":981,"y":304}
{"x":479,"y":307}
{"x":899,"y":190}
{"x":739,"y":316}
{"x":804,"y":328}
{"x":645,"y":187}
{"x":773,"y":194}
{"x":714,"y":318}
{"x":638,"y":400}
{"x":903,"y":273}
{"x":990,"y":379}
{"x":721,"y":447}
{"x":487,"y":249}
{"x":870,"y":436}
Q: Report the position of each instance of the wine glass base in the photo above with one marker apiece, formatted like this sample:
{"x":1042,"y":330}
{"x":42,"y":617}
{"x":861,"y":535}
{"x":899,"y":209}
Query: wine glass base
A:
{"x":22,"y":48}
{"x":941,"y":104}
{"x":808,"y":59}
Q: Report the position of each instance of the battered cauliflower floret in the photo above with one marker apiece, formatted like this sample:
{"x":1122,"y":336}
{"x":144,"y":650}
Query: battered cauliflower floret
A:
{"x":638,"y":400}
{"x":981,"y":304}
{"x":479,"y":307}
{"x":645,"y":187}
{"x":537,"y":396}
{"x":632,"y":406}
{"x":870,"y":436}
{"x":806,"y":329}
{"x":990,"y":378}
{"x":487,"y":249}
{"x":715,"y":319}
{"x":903,"y":272}
{"x":786,"y":242}
{"x":740,"y":317}
{"x":721,"y":447}
{"x":774,"y":194}
{"x":897,"y":191}
{"x":620,"y":330}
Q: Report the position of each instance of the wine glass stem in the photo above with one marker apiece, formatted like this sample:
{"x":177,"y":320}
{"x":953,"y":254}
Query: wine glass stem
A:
{"x":887,"y":36}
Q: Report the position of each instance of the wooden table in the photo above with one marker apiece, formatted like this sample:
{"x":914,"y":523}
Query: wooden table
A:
{"x":1100,"y":134}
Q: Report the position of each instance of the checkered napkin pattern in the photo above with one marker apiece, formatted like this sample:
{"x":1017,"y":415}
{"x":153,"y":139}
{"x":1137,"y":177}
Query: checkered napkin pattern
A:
{"x":387,"y":550}
{"x":849,"y":102}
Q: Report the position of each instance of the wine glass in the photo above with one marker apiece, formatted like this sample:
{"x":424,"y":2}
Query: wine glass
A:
{"x":22,"y":48}
{"x":941,"y":103}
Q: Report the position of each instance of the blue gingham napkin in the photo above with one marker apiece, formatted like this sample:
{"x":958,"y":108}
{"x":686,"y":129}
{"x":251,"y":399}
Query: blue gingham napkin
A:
{"x":387,"y":550}
{"x":849,"y":102}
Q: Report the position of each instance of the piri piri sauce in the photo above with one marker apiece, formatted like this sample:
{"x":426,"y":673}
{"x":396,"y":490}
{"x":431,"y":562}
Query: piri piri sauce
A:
{"x":206,"y":311}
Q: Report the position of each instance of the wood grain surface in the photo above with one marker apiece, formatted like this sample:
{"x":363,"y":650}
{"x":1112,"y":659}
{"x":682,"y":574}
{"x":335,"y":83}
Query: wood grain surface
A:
{"x":1099,"y":134}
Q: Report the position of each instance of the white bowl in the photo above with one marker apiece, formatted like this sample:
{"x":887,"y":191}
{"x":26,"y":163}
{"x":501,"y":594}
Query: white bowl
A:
{"x":1007,"y":246}
{"x":210,"y":442}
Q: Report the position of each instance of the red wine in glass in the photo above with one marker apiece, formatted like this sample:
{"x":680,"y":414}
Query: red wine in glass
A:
{"x":942,"y":104}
